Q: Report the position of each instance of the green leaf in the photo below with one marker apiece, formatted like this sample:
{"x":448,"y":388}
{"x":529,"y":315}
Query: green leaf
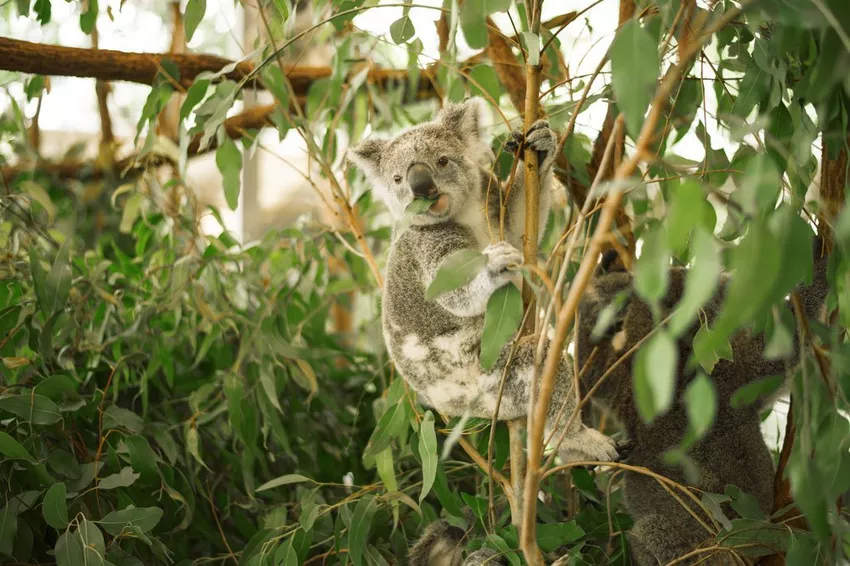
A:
{"x":89,"y":17}
{"x":283,"y":480}
{"x":37,"y":409}
{"x":531,"y":41}
{"x":361,"y":523}
{"x":700,"y":283}
{"x":402,"y":30}
{"x":483,"y":80}
{"x":752,"y":392}
{"x":759,"y":187}
{"x":472,"y":22}
{"x":428,"y":453}
{"x":393,"y":422}
{"x":419,"y":206}
{"x":501,"y":320}
{"x":194,"y":95}
{"x":145,"y":518}
{"x":634,"y":70}
{"x":12,"y":449}
{"x":551,"y":536}
{"x":286,"y":555}
{"x":69,"y":549}
{"x":228,"y":158}
{"x":115,"y":417}
{"x":94,"y":548}
{"x":655,"y":370}
{"x":124,"y":478}
{"x":54,"y":507}
{"x":709,"y":348}
{"x":195,"y":10}
{"x":701,"y":404}
{"x":689,"y":210}
{"x":276,"y":82}
{"x":653,"y":265}
{"x":457,"y":270}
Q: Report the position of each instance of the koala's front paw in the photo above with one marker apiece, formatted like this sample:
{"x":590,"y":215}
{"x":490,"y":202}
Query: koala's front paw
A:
{"x":539,"y":138}
{"x":502,"y":256}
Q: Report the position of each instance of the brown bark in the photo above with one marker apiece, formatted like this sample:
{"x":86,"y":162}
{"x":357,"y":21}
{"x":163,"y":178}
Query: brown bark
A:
{"x":833,"y":181}
{"x":168,"y":124}
{"x":110,"y":65}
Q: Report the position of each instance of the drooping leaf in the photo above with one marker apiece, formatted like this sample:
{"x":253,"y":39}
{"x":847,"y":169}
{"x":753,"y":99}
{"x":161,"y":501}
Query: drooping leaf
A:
{"x":655,"y":375}
{"x":428,"y":453}
{"x":501,"y":320}
{"x":653,"y":266}
{"x":361,"y":524}
{"x":457,"y":270}
{"x":228,"y":158}
{"x":195,"y":10}
{"x":634,"y":69}
{"x":700,"y":283}
{"x":701,"y":404}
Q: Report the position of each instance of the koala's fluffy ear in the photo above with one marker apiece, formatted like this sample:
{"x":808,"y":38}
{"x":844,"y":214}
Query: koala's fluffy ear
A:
{"x":367,"y":156}
{"x":470,"y":120}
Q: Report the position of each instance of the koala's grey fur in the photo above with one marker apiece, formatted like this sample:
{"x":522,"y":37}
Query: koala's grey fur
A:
{"x":436,"y":344}
{"x":732,"y":452}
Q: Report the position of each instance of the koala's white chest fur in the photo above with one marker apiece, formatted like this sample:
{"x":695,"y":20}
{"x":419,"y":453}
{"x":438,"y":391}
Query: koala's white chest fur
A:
{"x":474,"y":217}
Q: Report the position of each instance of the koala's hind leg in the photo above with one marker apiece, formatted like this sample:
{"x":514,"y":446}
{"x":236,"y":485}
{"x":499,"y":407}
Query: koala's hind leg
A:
{"x":581,"y":442}
{"x":660,"y":539}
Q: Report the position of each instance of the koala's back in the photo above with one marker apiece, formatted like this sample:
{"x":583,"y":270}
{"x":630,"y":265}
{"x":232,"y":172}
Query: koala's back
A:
{"x":430,"y":346}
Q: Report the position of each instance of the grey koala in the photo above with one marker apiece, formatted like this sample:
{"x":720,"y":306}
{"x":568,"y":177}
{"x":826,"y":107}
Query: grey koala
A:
{"x":732,"y":452}
{"x":436,"y":344}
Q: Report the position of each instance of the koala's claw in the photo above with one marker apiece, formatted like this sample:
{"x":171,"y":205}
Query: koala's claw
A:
{"x":501,"y":256}
{"x":539,"y":138}
{"x":624,"y":449}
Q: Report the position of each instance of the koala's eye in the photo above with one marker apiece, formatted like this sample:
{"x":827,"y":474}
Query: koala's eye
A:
{"x":443,"y":161}
{"x":397,"y":179}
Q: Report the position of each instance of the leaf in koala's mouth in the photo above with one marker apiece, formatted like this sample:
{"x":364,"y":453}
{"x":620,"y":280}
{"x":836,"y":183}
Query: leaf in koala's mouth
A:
{"x":420,"y":205}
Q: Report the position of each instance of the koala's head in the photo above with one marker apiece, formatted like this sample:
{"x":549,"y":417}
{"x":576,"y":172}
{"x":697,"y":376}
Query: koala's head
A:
{"x":438,"y":160}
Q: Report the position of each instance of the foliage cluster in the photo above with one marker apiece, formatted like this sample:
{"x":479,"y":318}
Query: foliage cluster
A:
{"x":169,"y":396}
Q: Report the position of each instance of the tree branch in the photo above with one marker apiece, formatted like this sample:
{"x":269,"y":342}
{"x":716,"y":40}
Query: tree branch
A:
{"x":141,"y":68}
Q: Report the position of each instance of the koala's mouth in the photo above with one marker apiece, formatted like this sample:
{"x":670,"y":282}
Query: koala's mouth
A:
{"x":441,"y":205}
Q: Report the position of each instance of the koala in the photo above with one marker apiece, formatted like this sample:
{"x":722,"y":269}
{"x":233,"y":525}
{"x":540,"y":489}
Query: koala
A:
{"x":436,"y":344}
{"x":732,"y":452}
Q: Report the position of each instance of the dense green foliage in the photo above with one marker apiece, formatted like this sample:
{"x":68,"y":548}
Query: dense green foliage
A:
{"x":168,"y":396}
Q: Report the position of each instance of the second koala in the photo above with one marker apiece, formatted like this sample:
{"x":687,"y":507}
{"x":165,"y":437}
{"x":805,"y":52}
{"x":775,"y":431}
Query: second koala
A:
{"x":435,"y":344}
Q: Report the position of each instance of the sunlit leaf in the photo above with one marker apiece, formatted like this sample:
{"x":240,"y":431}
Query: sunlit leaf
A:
{"x":634,"y":70}
{"x":428,"y":453}
{"x":194,"y":13}
{"x":457,"y":270}
{"x":501,"y":321}
{"x":655,"y":369}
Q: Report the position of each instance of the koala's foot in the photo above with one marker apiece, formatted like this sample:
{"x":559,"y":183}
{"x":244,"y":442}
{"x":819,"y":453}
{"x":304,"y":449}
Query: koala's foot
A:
{"x":539,"y":138}
{"x":485,"y":557}
{"x":501,"y":258}
{"x":590,"y":444}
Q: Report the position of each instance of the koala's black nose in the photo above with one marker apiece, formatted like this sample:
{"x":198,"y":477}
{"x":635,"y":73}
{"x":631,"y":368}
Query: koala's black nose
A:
{"x":421,"y":182}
